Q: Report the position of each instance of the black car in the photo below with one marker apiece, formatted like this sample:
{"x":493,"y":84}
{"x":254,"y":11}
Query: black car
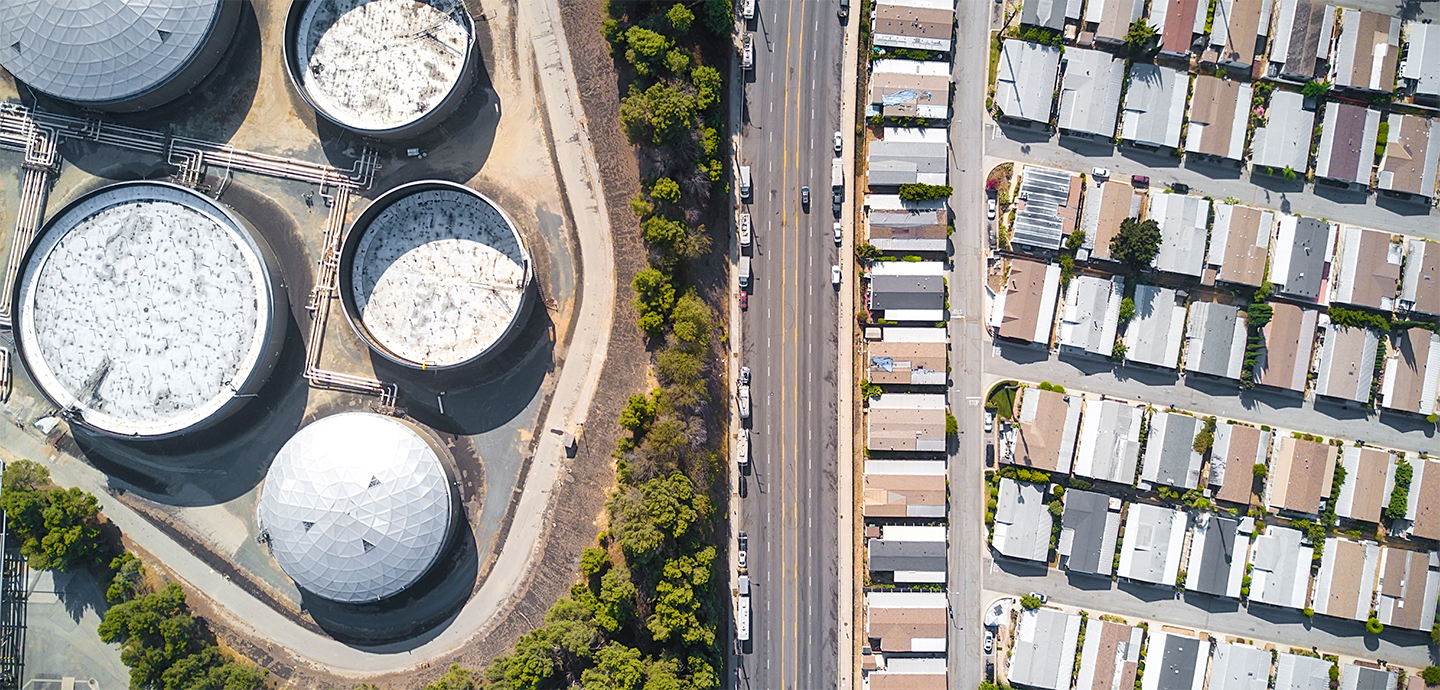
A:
{"x":1179,"y":187}
{"x":837,"y":201}
{"x":805,"y":197}
{"x":844,"y":10}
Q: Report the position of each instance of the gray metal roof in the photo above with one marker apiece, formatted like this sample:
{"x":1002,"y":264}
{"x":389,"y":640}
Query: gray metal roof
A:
{"x":907,"y":292}
{"x":1240,"y":667}
{"x":1047,"y":13}
{"x":1354,"y":677}
{"x":1177,"y":663}
{"x":1307,"y":259}
{"x":1217,"y":340}
{"x":94,"y":51}
{"x":1025,"y":80}
{"x":1217,"y":557}
{"x":1090,"y":93}
{"x":1170,"y":456}
{"x":922,"y":556}
{"x":1039,"y":224}
{"x":902,"y":162}
{"x":1284,"y":141}
{"x":1155,"y":105}
{"x":1091,"y":529}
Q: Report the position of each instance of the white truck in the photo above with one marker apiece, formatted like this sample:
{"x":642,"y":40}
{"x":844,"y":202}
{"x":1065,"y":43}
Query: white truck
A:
{"x":747,"y":51}
{"x":743,"y":396}
{"x":749,"y":10}
{"x":744,"y":272}
{"x":745,"y":183}
{"x":744,"y":231}
{"x":837,"y":173}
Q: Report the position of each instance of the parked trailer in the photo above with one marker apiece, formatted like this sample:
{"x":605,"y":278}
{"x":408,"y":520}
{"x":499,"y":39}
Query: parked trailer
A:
{"x":744,"y":398}
{"x":749,"y":10}
{"x":747,"y":51}
{"x":743,"y":449}
{"x":744,"y":231}
{"x":742,"y":619}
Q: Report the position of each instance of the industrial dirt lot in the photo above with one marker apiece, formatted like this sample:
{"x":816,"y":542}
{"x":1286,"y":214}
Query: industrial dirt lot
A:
{"x":203,"y":495}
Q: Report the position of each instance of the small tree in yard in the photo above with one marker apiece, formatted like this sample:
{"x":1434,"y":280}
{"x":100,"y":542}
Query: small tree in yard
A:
{"x":1315,"y":89}
{"x":1374,"y":626}
{"x":1030,"y":601}
{"x":1127,"y":309}
{"x":952,"y":427}
{"x":1137,"y":243}
{"x":1260,"y":470}
{"x":1431,"y":675}
{"x":1138,"y":38}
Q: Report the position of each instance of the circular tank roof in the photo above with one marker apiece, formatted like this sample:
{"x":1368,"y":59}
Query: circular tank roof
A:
{"x":357,"y":507}
{"x":97,"y":51}
{"x":145,"y":307}
{"x":438,"y":275}
{"x":374,"y":65}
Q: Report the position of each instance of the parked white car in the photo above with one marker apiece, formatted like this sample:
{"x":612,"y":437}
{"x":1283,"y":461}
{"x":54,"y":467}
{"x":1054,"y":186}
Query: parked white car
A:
{"x":990,"y":208}
{"x":1100,"y":173}
{"x":837,"y":233}
{"x":835,"y":275}
{"x":839,"y":142}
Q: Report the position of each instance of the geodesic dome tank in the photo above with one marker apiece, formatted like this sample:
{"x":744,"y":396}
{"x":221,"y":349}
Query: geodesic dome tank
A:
{"x":113,"y":54}
{"x":356,"y":507}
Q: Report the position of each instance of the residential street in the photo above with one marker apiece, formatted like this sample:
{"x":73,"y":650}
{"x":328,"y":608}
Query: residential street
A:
{"x":968,"y":341}
{"x":1203,"y":612}
{"x":1008,"y":142}
{"x":791,"y":111}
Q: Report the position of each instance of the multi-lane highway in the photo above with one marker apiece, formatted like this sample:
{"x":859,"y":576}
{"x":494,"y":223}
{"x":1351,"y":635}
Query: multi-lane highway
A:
{"x":790,"y":112}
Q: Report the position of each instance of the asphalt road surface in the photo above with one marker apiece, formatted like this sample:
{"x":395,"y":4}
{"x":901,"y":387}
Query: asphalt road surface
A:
{"x":967,"y":344}
{"x":791,"y":112}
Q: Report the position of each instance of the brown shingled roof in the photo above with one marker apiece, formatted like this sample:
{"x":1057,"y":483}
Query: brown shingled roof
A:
{"x":1289,"y":345}
{"x":896,"y":628}
{"x":1115,"y":201}
{"x":1024,"y":297}
{"x":1427,"y":503}
{"x":892,"y":495}
{"x":1368,"y":476}
{"x":1179,"y":32}
{"x":1213,"y":104}
{"x":1303,"y":472}
{"x":1407,"y":380}
{"x":1247,"y":449}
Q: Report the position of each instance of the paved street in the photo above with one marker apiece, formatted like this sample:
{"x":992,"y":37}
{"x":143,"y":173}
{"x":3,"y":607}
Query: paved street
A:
{"x":1217,"y":180}
{"x":791,"y":111}
{"x":968,"y":344}
{"x":1205,"y":394}
{"x":1199,"y":611}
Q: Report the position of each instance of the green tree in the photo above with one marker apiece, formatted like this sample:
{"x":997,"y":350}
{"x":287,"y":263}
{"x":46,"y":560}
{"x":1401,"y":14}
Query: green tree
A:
{"x":866,"y":251}
{"x":719,"y":16}
{"x":643,"y":517}
{"x":680,"y":17}
{"x":455,"y":678}
{"x":1127,"y":309}
{"x":1260,"y":314}
{"x":677,"y":62}
{"x":657,"y":114}
{"x":644,"y":48}
{"x":692,"y":321}
{"x":674,"y":241}
{"x":594,"y":560}
{"x":676,"y":603}
{"x":1030,"y":601}
{"x":707,"y":82}
{"x":952,"y":427}
{"x":617,"y":667}
{"x":71,"y":539}
{"x":666,"y":190}
{"x":1315,"y":89}
{"x":616,"y":601}
{"x":154,"y":631}
{"x":1431,"y":675}
{"x":638,"y":413}
{"x":23,"y":499}
{"x":128,"y":578}
{"x":654,"y":298}
{"x":1138,"y":38}
{"x":925,"y":192}
{"x":1374,"y":626}
{"x":1136,"y":243}
{"x":1260,"y":470}
{"x":1075,"y":241}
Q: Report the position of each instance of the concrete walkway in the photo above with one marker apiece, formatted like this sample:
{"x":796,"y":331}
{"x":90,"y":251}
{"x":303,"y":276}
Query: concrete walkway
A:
{"x":579,"y":378}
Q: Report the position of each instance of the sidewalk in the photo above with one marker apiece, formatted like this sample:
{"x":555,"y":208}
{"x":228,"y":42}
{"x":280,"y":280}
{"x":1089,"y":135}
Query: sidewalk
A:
{"x":847,"y":654}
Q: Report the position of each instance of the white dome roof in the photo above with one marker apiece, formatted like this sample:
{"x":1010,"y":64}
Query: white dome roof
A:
{"x":357,"y":507}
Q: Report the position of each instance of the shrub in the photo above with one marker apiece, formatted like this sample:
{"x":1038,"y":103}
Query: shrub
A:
{"x":1374,"y":626}
{"x":1030,"y":602}
{"x":1127,"y":309}
{"x":925,"y":192}
{"x":1400,"y":495}
{"x":1309,"y":612}
{"x":952,"y":427}
{"x":1315,"y":89}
